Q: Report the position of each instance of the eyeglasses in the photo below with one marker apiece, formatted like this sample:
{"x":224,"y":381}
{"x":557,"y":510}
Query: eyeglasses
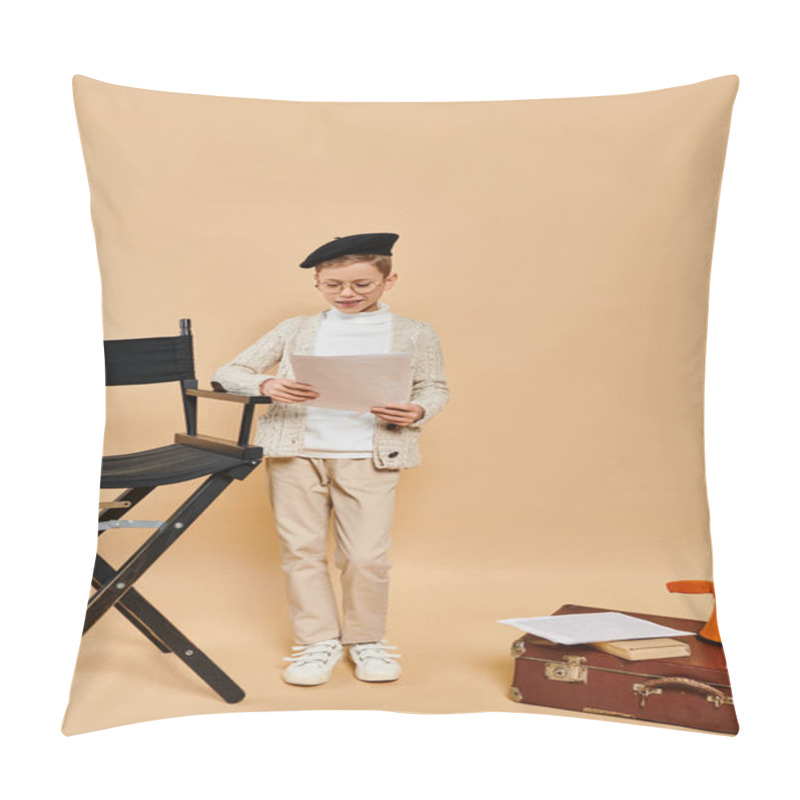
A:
{"x":359,"y":287}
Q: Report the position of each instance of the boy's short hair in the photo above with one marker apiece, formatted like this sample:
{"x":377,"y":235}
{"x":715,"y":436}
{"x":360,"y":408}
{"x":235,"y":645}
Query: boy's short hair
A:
{"x":383,"y":263}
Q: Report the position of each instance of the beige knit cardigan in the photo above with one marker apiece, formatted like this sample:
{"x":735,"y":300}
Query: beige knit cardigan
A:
{"x":280,"y":431}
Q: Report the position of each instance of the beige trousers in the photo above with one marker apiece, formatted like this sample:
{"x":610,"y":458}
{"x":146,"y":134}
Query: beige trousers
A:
{"x":303,"y":491}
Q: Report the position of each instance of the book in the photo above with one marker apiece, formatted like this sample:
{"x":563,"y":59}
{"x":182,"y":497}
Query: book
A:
{"x":644,"y":649}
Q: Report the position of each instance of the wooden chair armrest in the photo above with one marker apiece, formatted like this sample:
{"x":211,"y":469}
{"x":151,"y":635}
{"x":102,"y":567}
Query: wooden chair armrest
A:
{"x":231,"y":397}
{"x":247,"y":402}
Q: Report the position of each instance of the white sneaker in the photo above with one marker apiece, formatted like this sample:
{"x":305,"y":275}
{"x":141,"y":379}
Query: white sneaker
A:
{"x":313,"y":663}
{"x":373,"y":663}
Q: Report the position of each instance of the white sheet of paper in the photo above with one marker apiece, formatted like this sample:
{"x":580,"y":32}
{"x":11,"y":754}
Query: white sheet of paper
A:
{"x":599,"y":626}
{"x":355,"y":383}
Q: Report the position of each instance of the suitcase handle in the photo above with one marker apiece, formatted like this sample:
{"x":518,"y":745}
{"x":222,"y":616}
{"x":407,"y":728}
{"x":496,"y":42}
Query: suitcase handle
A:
{"x":656,"y":686}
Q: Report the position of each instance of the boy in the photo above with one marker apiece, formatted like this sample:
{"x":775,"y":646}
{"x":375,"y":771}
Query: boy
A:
{"x":320,"y":459}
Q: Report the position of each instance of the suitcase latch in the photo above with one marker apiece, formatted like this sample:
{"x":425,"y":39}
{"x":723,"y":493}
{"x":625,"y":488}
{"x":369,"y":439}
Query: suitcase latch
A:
{"x":570,"y":670}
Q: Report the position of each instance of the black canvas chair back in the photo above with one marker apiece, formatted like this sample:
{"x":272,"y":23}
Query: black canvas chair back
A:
{"x":221,"y":461}
{"x":159,"y":359}
{"x":156,"y":360}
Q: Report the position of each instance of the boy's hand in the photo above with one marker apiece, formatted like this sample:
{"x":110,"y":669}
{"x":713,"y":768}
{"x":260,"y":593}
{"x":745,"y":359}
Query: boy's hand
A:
{"x":287,"y":390}
{"x":399,"y":413}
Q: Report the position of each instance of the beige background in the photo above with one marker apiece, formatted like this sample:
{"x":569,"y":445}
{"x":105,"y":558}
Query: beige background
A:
{"x":561,"y":249}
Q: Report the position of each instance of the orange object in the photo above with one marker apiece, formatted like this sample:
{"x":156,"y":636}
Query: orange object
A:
{"x":710,"y":631}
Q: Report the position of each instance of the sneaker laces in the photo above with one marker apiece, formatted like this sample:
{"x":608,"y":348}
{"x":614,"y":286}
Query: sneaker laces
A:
{"x":319,"y":651}
{"x":376,"y":650}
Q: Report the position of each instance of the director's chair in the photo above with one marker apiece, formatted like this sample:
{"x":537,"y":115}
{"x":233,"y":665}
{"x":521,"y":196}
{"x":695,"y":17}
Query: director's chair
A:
{"x":159,"y":360}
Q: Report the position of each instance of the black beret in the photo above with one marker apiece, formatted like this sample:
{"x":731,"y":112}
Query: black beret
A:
{"x":367,"y":243}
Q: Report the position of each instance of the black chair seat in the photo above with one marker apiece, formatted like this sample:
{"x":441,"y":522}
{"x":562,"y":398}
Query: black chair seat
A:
{"x":173,"y":463}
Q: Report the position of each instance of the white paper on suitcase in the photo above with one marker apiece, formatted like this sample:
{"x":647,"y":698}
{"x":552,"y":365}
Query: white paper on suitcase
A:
{"x":600,"y":626}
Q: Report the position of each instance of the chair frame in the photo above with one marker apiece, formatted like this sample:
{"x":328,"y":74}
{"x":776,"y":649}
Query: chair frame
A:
{"x":115,"y":586}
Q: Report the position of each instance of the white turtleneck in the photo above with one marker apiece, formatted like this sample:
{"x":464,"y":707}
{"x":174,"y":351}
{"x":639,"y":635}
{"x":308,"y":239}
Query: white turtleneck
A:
{"x":332,"y":433}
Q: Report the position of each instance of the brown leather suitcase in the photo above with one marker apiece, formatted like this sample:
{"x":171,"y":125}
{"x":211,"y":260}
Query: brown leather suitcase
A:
{"x":691,"y":691}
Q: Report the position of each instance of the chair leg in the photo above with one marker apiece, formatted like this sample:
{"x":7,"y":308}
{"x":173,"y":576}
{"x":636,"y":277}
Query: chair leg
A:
{"x":116,"y":510}
{"x":115,"y":588}
{"x":103,"y":572}
{"x":159,"y":630}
